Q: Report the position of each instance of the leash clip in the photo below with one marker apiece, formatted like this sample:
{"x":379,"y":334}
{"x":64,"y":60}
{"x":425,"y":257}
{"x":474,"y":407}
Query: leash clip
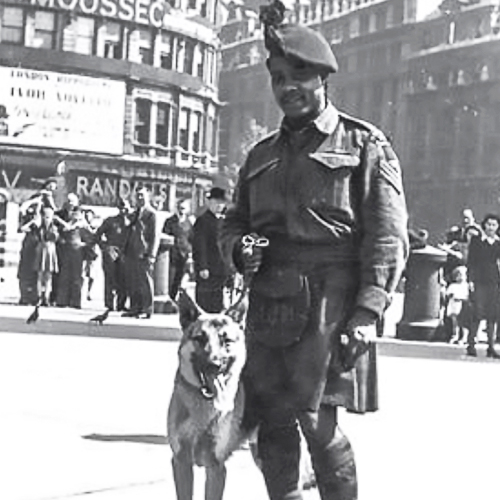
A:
{"x":249,"y":241}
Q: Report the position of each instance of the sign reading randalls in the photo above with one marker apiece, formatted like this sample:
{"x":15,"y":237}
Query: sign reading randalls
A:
{"x":140,"y":11}
{"x":55,"y":110}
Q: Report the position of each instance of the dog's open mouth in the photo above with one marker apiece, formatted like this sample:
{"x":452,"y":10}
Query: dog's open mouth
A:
{"x":213,"y":380}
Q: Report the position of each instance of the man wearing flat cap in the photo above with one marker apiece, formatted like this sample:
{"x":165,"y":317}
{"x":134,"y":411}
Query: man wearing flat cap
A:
{"x":211,"y":272}
{"x":326,"y":191}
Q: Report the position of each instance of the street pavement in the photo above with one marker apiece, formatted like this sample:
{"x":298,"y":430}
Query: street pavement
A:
{"x":83,"y":412}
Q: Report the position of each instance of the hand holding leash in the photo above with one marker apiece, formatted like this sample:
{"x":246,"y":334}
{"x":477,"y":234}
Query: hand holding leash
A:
{"x":252,"y":252}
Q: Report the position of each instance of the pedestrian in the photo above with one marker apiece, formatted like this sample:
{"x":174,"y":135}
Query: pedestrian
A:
{"x":457,"y":308}
{"x":211,"y":271}
{"x":70,"y":280}
{"x":30,"y":210}
{"x":181,"y":228}
{"x":457,"y":242}
{"x":484,"y":276}
{"x":64,"y":214}
{"x":141,"y":248}
{"x":326,"y":191}
{"x":111,"y":237}
{"x":90,"y":254}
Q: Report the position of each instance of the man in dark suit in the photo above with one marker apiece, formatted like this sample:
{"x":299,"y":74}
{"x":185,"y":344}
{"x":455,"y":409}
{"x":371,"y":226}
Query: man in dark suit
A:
{"x":111,"y":237}
{"x":210,"y":270}
{"x":140,"y":254}
{"x":180,"y":227}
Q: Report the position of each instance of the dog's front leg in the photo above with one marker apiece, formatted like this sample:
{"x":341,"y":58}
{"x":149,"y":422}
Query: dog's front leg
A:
{"x":215,"y":482}
{"x":183,"y":478}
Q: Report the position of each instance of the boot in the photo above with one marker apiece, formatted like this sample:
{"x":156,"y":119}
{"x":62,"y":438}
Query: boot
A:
{"x":491,"y":353}
{"x":279,"y":452}
{"x":335,"y":469}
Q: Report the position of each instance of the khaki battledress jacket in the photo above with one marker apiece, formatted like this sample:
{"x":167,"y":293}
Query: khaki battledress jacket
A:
{"x":330,"y":200}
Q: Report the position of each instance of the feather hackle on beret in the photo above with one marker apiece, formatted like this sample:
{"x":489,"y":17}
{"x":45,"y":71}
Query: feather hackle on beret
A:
{"x":283,"y":39}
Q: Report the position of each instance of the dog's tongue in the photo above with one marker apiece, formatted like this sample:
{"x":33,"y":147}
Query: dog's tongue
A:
{"x":214,"y":381}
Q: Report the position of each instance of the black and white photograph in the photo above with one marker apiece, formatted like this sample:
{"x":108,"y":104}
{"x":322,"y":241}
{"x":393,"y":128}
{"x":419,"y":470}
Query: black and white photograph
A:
{"x":250,"y":249}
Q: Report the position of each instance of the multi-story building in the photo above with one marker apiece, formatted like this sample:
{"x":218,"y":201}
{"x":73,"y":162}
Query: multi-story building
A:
{"x":120,"y":92}
{"x":424,"y":71}
{"x":452,"y":144}
{"x":370,"y":39}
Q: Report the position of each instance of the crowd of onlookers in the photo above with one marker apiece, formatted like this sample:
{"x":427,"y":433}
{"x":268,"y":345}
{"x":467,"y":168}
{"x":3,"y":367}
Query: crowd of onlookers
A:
{"x":471,"y":281}
{"x":62,"y":245}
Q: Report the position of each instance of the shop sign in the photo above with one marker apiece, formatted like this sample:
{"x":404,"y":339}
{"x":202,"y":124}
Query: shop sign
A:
{"x":151,"y":12}
{"x":98,"y":188}
{"x":55,"y":110}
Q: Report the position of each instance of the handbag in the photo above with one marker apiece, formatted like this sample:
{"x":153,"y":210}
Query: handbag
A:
{"x":279,"y":304}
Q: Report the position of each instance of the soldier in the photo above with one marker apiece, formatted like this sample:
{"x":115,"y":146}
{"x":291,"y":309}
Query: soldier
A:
{"x":111,"y":237}
{"x":326,"y":191}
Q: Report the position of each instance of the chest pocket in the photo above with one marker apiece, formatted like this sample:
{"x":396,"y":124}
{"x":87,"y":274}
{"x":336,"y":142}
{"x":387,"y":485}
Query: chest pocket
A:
{"x":328,"y":186}
{"x":266,"y":186}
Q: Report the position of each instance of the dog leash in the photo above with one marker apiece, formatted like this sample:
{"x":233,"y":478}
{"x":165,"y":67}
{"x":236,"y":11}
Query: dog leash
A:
{"x":249,"y":242}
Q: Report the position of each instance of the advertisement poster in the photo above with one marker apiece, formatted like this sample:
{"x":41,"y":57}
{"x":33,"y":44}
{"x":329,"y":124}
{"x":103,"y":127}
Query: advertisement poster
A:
{"x":56,"y":110}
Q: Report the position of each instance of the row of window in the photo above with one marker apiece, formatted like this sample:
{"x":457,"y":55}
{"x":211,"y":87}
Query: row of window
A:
{"x":353,"y":26}
{"x":109,"y":39}
{"x":377,"y":56}
{"x":155,"y":126}
{"x":464,"y":28}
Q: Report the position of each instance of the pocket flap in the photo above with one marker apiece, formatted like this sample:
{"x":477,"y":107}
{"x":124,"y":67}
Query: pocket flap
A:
{"x":335,"y":160}
{"x":259,"y":168}
{"x":279,"y":282}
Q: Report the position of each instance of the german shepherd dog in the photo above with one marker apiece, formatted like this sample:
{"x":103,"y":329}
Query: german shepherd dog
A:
{"x":206,"y":409}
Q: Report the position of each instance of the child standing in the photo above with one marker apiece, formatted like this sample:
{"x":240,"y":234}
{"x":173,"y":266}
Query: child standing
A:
{"x":457,"y":304}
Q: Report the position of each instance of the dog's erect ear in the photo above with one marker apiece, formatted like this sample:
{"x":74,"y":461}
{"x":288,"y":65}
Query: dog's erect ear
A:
{"x":238,"y":311}
{"x":188,"y":309}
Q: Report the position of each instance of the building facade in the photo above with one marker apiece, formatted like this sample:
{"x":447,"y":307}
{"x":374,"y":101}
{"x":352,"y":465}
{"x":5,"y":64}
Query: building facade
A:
{"x":423,"y":71}
{"x":120,"y":93}
{"x":452,"y":141}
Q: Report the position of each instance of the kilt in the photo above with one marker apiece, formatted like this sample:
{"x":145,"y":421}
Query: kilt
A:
{"x":305,"y":374}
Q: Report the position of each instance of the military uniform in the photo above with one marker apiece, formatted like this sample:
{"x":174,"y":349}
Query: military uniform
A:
{"x":326,"y":190}
{"x":330,"y":200}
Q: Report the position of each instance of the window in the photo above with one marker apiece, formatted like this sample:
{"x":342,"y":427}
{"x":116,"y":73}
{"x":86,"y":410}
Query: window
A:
{"x":196,"y":132}
{"x":189,"y":56}
{"x":184,"y":128}
{"x":13,"y":25}
{"x":146,"y":46}
{"x":83,"y":28}
{"x":192,"y":4}
{"x":364,"y":23}
{"x":167,"y":51}
{"x":209,"y":135}
{"x":204,"y":9}
{"x":109,"y":41}
{"x":354,"y":27}
{"x":200,"y":61}
{"x":380,"y":19}
{"x":45,"y":30}
{"x":162,"y":123}
{"x":142,"y":121}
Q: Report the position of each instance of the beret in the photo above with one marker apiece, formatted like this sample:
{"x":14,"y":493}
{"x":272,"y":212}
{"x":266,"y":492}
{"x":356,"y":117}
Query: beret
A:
{"x":284,"y":39}
{"x":303,"y":43}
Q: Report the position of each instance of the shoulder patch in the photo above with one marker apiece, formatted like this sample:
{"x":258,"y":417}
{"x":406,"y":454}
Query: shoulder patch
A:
{"x":390,"y":171}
